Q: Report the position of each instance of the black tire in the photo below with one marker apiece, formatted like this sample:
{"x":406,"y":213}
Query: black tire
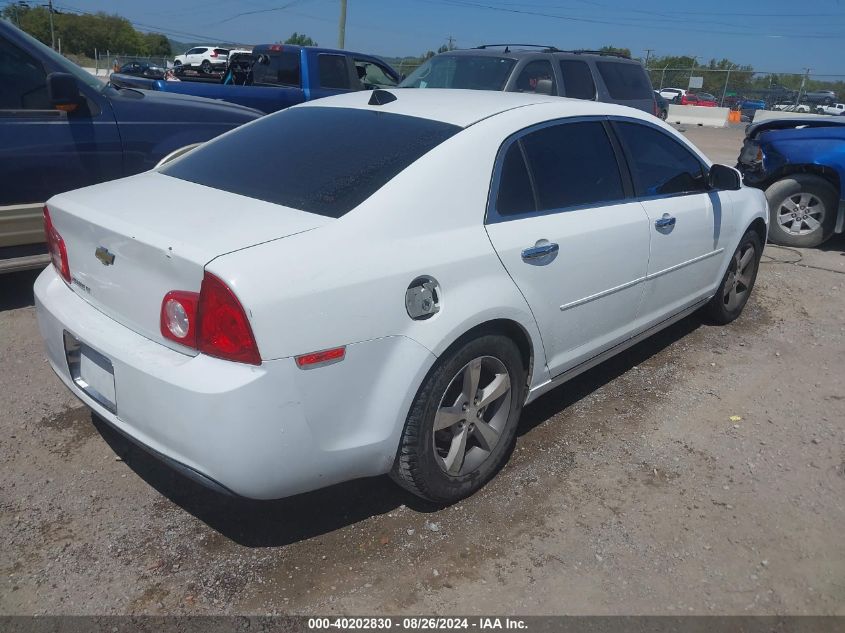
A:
{"x":823,"y":210}
{"x":417,"y":467}
{"x":664,"y":114}
{"x":719,"y":308}
{"x":206,"y":66}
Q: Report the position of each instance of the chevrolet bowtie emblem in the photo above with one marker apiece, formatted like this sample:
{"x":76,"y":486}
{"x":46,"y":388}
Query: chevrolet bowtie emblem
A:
{"x":106,"y":258}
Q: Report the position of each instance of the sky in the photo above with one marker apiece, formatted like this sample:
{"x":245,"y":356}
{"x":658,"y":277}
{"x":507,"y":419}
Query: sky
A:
{"x":771,"y":35}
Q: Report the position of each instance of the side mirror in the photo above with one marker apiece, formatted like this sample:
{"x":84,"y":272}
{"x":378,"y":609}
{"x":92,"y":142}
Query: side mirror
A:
{"x":724,"y":178}
{"x":63,"y":91}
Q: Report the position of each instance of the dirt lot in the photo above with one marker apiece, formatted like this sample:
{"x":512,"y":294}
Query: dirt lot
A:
{"x":631,"y":490}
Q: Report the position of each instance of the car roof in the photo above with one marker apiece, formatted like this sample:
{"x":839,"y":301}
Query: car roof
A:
{"x":513,"y":51}
{"x":466,"y":107}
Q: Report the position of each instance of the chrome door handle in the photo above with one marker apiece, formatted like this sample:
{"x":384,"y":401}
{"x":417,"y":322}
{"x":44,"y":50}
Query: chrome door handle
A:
{"x":665,"y":222}
{"x":536,"y":252}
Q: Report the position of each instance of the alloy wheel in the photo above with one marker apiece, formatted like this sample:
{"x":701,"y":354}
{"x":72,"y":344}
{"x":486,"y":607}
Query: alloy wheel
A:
{"x":740,"y":277}
{"x":472,"y":415}
{"x":800,"y":214}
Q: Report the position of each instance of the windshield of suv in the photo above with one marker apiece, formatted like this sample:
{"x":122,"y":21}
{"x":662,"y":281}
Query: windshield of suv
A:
{"x":66,"y":65}
{"x":482,"y":72}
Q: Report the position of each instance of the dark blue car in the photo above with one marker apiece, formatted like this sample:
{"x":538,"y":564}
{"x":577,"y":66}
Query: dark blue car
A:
{"x":61,"y":128}
{"x":800,"y":164}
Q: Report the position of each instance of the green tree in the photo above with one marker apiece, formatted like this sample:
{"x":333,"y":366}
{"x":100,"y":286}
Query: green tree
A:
{"x":82,"y":34}
{"x":300,"y":39}
{"x":615,"y":49}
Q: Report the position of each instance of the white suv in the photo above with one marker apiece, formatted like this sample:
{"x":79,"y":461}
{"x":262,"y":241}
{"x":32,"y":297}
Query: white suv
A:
{"x":672,"y":95}
{"x":205,"y":58}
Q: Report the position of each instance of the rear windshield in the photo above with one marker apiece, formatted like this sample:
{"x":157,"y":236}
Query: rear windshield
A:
{"x":322,"y":160}
{"x":625,"y":81}
{"x":482,"y":72}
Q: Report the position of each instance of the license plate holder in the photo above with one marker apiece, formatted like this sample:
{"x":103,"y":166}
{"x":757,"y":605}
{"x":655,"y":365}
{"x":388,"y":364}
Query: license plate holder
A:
{"x":91,"y":371}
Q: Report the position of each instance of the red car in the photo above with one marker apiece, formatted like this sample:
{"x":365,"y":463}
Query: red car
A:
{"x":699,"y":99}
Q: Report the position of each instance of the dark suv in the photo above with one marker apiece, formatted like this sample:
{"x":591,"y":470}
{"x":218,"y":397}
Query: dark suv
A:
{"x":593,"y":75}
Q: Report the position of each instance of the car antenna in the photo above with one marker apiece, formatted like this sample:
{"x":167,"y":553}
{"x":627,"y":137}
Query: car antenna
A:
{"x":381,"y":97}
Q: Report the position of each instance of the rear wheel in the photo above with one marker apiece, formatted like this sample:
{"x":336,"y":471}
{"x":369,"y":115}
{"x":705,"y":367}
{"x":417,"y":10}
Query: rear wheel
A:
{"x":735,"y":289}
{"x":205,"y":66}
{"x":462,"y":423}
{"x":802,"y":210}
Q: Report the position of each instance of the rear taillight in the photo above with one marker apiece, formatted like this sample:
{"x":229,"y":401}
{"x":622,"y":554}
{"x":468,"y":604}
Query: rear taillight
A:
{"x":56,"y":246}
{"x":214,"y":53}
{"x":654,"y":110}
{"x":212,"y":322}
{"x":179,"y":317}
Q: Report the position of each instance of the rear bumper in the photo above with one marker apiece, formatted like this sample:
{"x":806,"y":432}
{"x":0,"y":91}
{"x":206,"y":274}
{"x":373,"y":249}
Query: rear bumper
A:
{"x":261,"y":432}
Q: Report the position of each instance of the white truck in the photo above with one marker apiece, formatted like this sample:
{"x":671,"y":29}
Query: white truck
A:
{"x":836,"y":109}
{"x":791,"y":107}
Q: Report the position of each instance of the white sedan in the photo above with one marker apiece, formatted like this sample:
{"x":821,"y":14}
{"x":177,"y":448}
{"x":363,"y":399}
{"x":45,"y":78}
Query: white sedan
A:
{"x":379,"y":282}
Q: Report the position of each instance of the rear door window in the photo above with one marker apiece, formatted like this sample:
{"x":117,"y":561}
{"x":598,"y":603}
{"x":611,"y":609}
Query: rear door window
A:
{"x":624,"y":80}
{"x":577,"y":79}
{"x":515,"y":195}
{"x":280,"y":69}
{"x":321,"y":160}
{"x":573,"y":164}
{"x":568,"y":165}
{"x":537,"y":76}
{"x":334,"y":72}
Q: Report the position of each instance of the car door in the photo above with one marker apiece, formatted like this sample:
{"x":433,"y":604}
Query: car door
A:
{"x":688,"y":222}
{"x":536,"y":76}
{"x":334,"y":74}
{"x":45,"y":151}
{"x":194,"y":56}
{"x":572,"y":239}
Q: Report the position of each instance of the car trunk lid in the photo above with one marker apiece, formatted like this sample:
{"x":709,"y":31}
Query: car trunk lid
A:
{"x":131,"y":241}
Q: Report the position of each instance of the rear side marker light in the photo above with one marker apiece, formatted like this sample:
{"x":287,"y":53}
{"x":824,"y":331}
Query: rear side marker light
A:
{"x":56,"y":246}
{"x":321,"y":359}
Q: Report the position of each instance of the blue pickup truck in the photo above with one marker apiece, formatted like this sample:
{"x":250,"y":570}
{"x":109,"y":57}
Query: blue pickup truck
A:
{"x":279,"y":76}
{"x":61,"y":128}
{"x":800,"y":164}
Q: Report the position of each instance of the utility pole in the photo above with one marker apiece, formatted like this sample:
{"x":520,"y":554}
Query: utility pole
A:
{"x":803,"y":83}
{"x":648,"y":53}
{"x":451,"y":43}
{"x":341,"y":33}
{"x":52,"y":32}
{"x":725,"y":91}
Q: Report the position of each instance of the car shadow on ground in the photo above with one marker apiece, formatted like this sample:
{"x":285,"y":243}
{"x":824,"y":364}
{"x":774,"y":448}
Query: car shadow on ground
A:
{"x":835,"y":244}
{"x":284,"y":521}
{"x":16,"y":290}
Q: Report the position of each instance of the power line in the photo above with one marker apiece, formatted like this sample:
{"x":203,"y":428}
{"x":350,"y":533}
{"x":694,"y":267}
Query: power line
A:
{"x":649,"y":24}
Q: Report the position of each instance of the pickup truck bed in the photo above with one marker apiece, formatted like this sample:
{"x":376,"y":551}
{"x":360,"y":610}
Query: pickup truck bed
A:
{"x":282,"y":76}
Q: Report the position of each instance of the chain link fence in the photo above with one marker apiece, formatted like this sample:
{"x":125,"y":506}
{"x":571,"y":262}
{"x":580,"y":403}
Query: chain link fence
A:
{"x":732,"y":87}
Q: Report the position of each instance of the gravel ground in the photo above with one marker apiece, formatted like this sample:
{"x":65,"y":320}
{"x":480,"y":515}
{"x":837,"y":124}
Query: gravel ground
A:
{"x":702,"y":471}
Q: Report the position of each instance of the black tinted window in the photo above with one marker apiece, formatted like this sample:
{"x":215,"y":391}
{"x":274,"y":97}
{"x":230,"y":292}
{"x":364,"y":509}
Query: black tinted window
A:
{"x":322,"y":160}
{"x":573,"y":164}
{"x":625,"y":80}
{"x":24,"y":83}
{"x":334,"y":73}
{"x":577,"y":79}
{"x":537,"y":76}
{"x":281,"y":69}
{"x":514,"y":195}
{"x":659,"y":164}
